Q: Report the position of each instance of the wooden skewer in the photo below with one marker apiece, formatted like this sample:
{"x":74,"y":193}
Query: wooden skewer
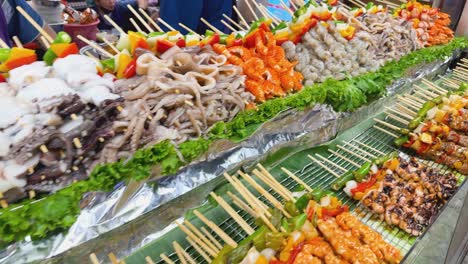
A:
{"x":150,"y":20}
{"x":199,"y":250}
{"x":344,"y":158}
{"x":249,"y":230}
{"x":271,"y":185}
{"x":208,"y":24}
{"x":266,"y":194}
{"x":405,"y":109}
{"x":460,"y":76}
{"x":397,"y":118}
{"x":455,"y":77}
{"x":416,"y":98}
{"x":136,"y":26}
{"x":44,"y":42}
{"x":272,"y":16}
{"x":369,"y":147}
{"x":353,"y":153}
{"x":330,"y":162}
{"x":251,"y":9}
{"x":112,"y":46}
{"x":228,"y":240}
{"x":228,"y":26}
{"x":165,"y":258}
{"x":356,"y":3}
{"x":197,"y":239}
{"x":137,"y":15}
{"x":426,"y":91}
{"x":211,"y":238}
{"x":95,"y":46}
{"x":17,"y":42}
{"x":287,"y":8}
{"x":461,"y":69}
{"x":93,"y":258}
{"x":297,"y":179}
{"x":166,"y":24}
{"x":3,"y":44}
{"x":189,"y":30}
{"x":450,"y":84}
{"x":408,"y":103}
{"x":198,"y":233}
{"x":113,"y":258}
{"x":112,"y":22}
{"x":293,"y":4}
{"x":183,"y":256}
{"x":407,"y":100}
{"x":385,"y":131}
{"x":272,"y":179}
{"x":34,"y":24}
{"x":149,"y":260}
{"x":399,"y":113}
{"x":242,"y":205}
{"x":234,"y":22}
{"x":248,"y":196}
{"x":323,"y":166}
{"x":348,"y":144}
{"x":240,"y":16}
{"x":434,"y":86}
{"x":449,"y":81}
{"x":425,"y":96}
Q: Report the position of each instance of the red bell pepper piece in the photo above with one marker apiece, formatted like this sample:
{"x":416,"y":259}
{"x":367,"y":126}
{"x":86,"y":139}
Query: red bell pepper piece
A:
{"x":424,"y":147}
{"x":63,"y":49}
{"x":213,"y":39}
{"x":362,"y":186}
{"x":332,"y":2}
{"x":2,"y":78}
{"x":163,"y":45}
{"x":274,"y":261}
{"x":264,"y":27}
{"x":334,"y":212}
{"x":142,"y":44}
{"x":181,"y":43}
{"x":12,"y":64}
{"x":130,"y":71}
{"x":250,"y":39}
{"x":296,"y":250}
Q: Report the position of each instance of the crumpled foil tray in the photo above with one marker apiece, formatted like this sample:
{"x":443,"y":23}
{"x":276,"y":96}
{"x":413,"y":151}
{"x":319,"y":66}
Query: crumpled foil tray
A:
{"x":133,"y":215}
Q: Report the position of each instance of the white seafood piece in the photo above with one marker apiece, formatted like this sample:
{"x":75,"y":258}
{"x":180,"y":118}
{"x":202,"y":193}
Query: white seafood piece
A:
{"x":73,"y":65}
{"x":10,"y":170}
{"x":28,"y":74}
{"x":11,"y":110}
{"x":252,"y":256}
{"x":97,"y":94}
{"x":45,"y":88}
{"x":5,"y":144}
{"x":6,"y":90}
{"x":72,"y":124}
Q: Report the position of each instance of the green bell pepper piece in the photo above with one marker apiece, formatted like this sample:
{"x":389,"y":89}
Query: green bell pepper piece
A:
{"x":155,"y":34}
{"x":62,"y":37}
{"x":318,"y":193}
{"x":4,"y":54}
{"x":362,"y":172}
{"x":463,"y":87}
{"x":259,"y":240}
{"x":108,"y":64}
{"x":209,"y":33}
{"x":415,"y":122}
{"x":49,"y":57}
{"x":221,"y":258}
{"x":274,"y":240}
{"x":401,"y":140}
{"x":222,"y":39}
{"x":381,"y":160}
{"x":303,"y":201}
{"x":291,"y":208}
{"x":341,"y":182}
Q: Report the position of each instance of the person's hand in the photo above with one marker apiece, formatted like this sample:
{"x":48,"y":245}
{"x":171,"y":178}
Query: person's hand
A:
{"x":142,"y":4}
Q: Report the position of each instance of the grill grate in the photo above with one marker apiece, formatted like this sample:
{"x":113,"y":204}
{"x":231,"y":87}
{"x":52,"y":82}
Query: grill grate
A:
{"x":315,"y":176}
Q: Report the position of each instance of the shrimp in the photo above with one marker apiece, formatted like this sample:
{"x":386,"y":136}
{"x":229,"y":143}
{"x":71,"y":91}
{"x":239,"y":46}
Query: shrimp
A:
{"x":254,"y":88}
{"x":221,"y":49}
{"x":259,"y":45}
{"x":254,"y":69}
{"x":272,"y":90}
{"x":240,"y":52}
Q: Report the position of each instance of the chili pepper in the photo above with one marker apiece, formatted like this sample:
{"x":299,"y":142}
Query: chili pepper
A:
{"x":130,"y":71}
{"x":302,"y":202}
{"x":49,"y":57}
{"x":291,"y":208}
{"x":259,"y":240}
{"x":318,"y":193}
{"x":181,"y":43}
{"x":381,"y":160}
{"x":426,"y":107}
{"x":401,"y":140}
{"x":415,"y":122}
{"x":362,"y":186}
{"x":276,"y":216}
{"x":274,"y":240}
{"x":339,"y":183}
{"x":362,"y":172}
{"x":296,"y":250}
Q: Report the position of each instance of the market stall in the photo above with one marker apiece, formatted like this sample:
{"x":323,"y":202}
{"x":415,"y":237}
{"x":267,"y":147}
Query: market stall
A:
{"x":104,"y":148}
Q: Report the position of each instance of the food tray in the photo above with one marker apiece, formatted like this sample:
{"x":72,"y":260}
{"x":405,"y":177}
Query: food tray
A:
{"x":315,"y":176}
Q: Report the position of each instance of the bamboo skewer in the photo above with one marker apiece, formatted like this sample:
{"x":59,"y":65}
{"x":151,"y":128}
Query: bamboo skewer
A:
{"x":44,"y":42}
{"x":330,"y":162}
{"x":271,"y":15}
{"x":199,"y":250}
{"x":250,"y":197}
{"x":112,"y":22}
{"x":353,"y":153}
{"x":431,"y":84}
{"x":414,"y":98}
{"x":183,"y":256}
{"x":369,"y":147}
{"x":287,"y":8}
{"x":251,"y":9}
{"x":197,"y":232}
{"x":240,"y":16}
{"x":387,"y":124}
{"x":426,"y":91}
{"x":396,"y":118}
{"x":297,"y":179}
{"x":242,"y":205}
{"x":425,"y":96}
{"x":113,"y":258}
{"x":293,"y":5}
{"x":344,"y":158}
{"x":149,"y":260}
{"x":323,"y":166}
{"x":405,"y":109}
{"x":228,"y":240}
{"x":150,"y":20}
{"x":410,"y":102}
{"x":287,"y":196}
{"x":136,"y":26}
{"x":208,"y":24}
{"x":385,"y":131}
{"x":361,"y":150}
{"x":356,"y":3}
{"x":460,"y":76}
{"x":3,"y":44}
{"x":275,"y":182}
{"x":263,"y":192}
{"x":165,"y":258}
{"x":93,"y":258}
{"x":166,"y":24}
{"x":35,"y":24}
{"x":234,"y":22}
{"x":211,"y":238}
{"x":17,"y":42}
{"x":114,"y":48}
{"x":95,"y":46}
{"x":454,"y":85}
{"x":249,"y":230}
{"x":198,"y":240}
{"x":189,"y":30}
{"x":228,"y":26}
{"x":137,"y":15}
{"x":399,"y":113}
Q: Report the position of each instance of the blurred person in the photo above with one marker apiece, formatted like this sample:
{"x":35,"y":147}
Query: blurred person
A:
{"x":118,"y":11}
{"x":12,"y":23}
{"x":189,"y":12}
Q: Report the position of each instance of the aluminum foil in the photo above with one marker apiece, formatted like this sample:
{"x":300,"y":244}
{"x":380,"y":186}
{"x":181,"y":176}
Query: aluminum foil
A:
{"x":134,"y":215}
